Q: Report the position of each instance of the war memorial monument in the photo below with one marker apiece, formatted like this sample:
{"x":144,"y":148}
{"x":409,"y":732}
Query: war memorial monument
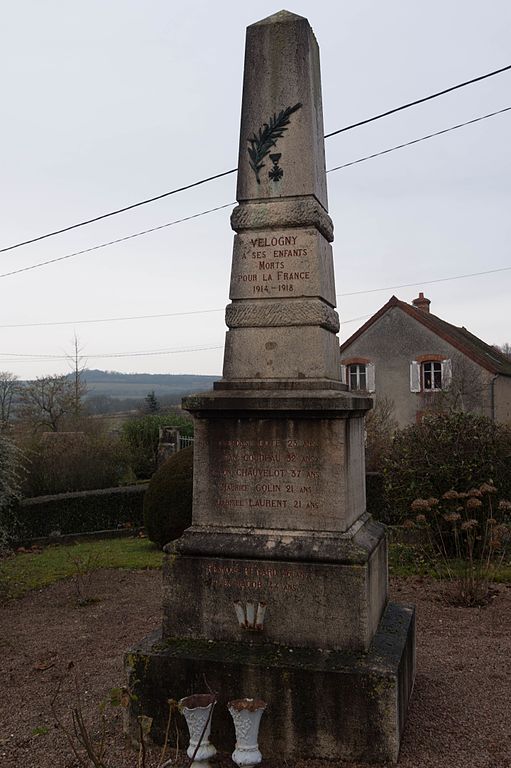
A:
{"x":279,"y":589}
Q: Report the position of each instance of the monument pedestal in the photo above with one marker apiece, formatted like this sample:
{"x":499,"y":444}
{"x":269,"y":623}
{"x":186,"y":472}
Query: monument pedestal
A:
{"x":321,"y":704}
{"x":278,"y":590}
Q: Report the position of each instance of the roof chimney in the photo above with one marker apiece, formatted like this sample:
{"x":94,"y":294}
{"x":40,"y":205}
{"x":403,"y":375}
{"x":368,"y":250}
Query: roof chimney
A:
{"x":421,"y":303}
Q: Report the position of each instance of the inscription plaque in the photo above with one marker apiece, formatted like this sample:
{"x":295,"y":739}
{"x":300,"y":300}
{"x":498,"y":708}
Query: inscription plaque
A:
{"x":286,"y":263}
{"x":272,"y":474}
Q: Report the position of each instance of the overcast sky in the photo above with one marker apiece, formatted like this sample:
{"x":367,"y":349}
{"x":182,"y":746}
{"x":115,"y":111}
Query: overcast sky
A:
{"x":106,"y":102}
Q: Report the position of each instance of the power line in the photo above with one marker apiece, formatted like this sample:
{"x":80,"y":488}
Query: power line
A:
{"x":39,"y":358}
{"x":416,"y":141}
{"x":427,"y":282}
{"x":208,"y":311}
{"x":112,"y":319}
{"x":419,"y":101}
{"x":128,"y":317}
{"x":233,"y":170}
{"x":119,"y":210}
{"x":228,"y":205}
{"x":45,"y":358}
{"x":113,"y":242}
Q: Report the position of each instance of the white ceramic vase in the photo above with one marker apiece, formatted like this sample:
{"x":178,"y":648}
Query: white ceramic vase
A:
{"x":198,"y":711}
{"x":246,"y":714}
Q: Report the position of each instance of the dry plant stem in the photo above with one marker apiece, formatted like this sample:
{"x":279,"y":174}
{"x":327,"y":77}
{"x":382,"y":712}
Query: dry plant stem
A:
{"x":64,"y":730}
{"x":166,"y":740}
{"x":95,"y":757}
{"x":201,"y":737}
{"x":141,"y":751}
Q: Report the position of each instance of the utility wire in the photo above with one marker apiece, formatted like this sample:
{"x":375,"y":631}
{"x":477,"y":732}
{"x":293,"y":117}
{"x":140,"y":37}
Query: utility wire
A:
{"x":233,"y":170}
{"x":427,"y":282}
{"x":416,"y":141}
{"x":419,"y":101}
{"x":207,"y":311}
{"x":114,"y":242}
{"x":119,"y":210}
{"x":42,"y":358}
{"x":228,"y":205}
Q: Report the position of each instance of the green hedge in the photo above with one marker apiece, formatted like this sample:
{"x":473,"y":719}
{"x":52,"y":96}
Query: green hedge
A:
{"x":376,"y":500}
{"x":81,"y":512}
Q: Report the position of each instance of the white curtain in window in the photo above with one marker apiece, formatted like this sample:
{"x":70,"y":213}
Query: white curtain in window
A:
{"x":415,"y":376}
{"x":370,"y":379}
{"x":343,"y":374}
{"x":446,"y":373}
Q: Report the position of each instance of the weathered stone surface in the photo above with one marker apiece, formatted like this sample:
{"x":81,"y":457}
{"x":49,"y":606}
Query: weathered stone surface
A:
{"x":281,"y":353}
{"x":334,"y":705}
{"x":287,"y":263}
{"x":285,"y":212}
{"x":335,"y":605}
{"x":279,"y":518}
{"x":298,"y":474}
{"x":282,"y":73}
{"x":299,"y":312}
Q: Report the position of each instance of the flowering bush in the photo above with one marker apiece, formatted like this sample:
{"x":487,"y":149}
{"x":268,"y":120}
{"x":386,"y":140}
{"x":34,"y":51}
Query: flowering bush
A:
{"x":468,"y":534}
{"x":454,"y":450}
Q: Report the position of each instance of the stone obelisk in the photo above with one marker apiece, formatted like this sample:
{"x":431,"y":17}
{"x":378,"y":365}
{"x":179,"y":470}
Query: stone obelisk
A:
{"x":279,"y":588}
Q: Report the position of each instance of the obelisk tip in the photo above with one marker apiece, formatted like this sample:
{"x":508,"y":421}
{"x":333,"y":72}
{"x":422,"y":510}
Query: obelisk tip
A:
{"x":279,"y":18}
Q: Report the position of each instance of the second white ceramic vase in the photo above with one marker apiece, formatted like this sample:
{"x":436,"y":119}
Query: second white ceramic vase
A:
{"x":246,"y":714}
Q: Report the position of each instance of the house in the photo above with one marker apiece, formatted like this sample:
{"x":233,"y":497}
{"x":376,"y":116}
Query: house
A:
{"x":419,"y":361}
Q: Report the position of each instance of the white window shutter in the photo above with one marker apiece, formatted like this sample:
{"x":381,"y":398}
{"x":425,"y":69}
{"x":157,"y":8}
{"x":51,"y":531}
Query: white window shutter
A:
{"x":446,"y":374}
{"x":370,"y":377}
{"x":415,"y":376}
{"x":343,"y":374}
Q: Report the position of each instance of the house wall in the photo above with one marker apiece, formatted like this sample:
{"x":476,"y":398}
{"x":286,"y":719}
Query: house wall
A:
{"x":394,"y":340}
{"x":502,"y":399}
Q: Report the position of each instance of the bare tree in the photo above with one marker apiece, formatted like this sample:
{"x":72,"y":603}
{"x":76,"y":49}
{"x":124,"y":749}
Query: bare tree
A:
{"x":47,"y":400}
{"x":78,"y":367}
{"x":465,"y":393}
{"x":9,"y":389}
{"x":504,"y":349}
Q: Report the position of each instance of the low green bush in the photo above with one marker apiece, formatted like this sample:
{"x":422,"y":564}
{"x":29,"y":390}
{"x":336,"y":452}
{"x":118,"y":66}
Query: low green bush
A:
{"x":63,"y":462}
{"x":446,"y":451}
{"x":81,"y":512}
{"x":168,"y":500}
{"x":141,"y":438}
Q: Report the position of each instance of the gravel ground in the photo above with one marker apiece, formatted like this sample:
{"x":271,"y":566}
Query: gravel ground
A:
{"x":460,"y":716}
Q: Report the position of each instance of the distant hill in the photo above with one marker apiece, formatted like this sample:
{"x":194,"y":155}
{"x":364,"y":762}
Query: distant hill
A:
{"x":137,"y":385}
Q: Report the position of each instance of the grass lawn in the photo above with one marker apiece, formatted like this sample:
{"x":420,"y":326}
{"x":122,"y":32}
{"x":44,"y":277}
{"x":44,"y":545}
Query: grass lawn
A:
{"x":33,"y":570}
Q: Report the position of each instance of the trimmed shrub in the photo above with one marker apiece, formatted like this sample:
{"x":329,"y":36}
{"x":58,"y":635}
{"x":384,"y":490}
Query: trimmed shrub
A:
{"x":447,"y":451}
{"x":63,"y":462}
{"x":83,"y":512}
{"x":141,"y":437}
{"x":168,"y":501}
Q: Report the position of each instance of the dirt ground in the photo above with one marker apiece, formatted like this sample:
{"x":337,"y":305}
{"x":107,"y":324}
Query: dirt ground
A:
{"x":460,"y":715}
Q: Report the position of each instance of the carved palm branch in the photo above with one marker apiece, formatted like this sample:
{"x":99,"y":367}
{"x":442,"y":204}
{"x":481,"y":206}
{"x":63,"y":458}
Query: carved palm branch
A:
{"x":266,"y":138}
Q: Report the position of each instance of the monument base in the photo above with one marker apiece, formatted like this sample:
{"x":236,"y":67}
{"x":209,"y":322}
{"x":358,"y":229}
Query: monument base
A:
{"x":321,"y":704}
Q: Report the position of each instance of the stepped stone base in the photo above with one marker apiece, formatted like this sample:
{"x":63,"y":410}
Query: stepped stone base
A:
{"x":321,"y":704}
{"x":321,"y":591}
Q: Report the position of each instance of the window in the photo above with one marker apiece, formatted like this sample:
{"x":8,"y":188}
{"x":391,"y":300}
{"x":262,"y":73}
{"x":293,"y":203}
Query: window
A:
{"x":430,"y":374}
{"x":358,"y":374}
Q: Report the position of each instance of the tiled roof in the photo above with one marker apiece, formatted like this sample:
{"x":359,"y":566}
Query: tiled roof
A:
{"x":477,"y":350}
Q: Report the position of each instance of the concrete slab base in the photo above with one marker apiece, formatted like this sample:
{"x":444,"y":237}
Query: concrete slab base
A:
{"x":321,"y":704}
